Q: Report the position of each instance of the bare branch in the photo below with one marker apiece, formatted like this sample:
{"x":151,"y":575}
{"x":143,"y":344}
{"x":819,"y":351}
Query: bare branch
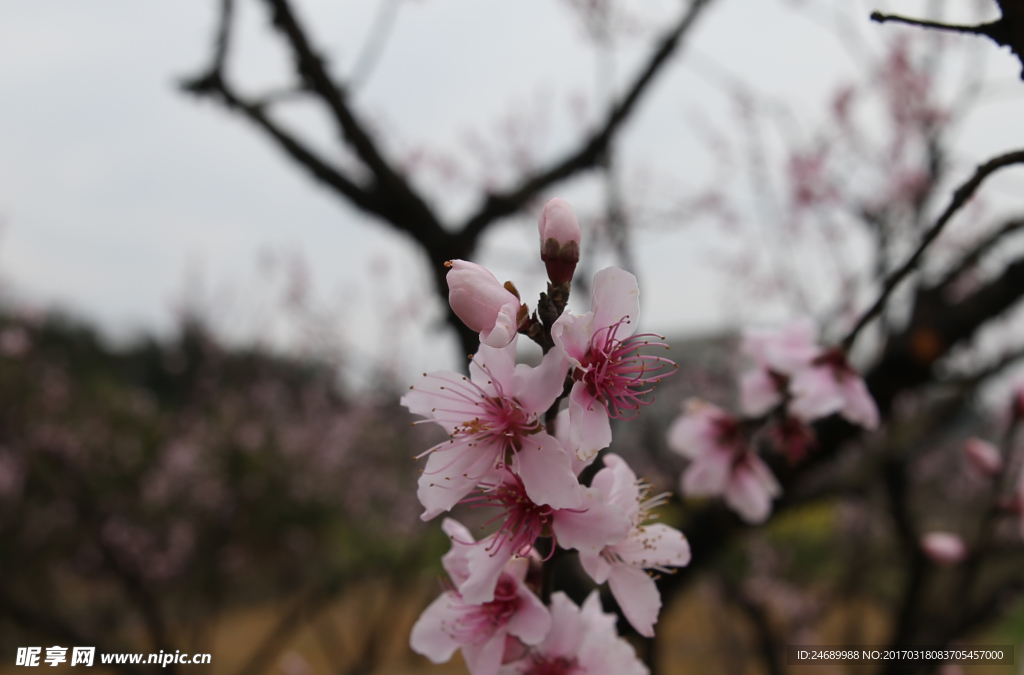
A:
{"x":972,"y":257}
{"x":960,"y":197}
{"x":588,"y":154}
{"x":986,"y":29}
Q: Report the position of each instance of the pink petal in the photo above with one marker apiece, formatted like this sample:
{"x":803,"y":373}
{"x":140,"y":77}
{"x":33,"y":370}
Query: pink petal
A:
{"x":655,"y":545}
{"x":492,"y":365}
{"x":595,"y":565}
{"x":486,"y":562}
{"x":589,"y":427}
{"x":694,"y":433}
{"x":616,"y":296}
{"x":537,"y":388}
{"x":505,"y":326}
{"x":532,"y":621}
{"x":707,"y":475}
{"x":758,"y":392}
{"x":784,"y":350}
{"x":450,"y":475}
{"x":562,"y":434}
{"x":484,"y":658}
{"x":592,"y":525}
{"x":815,"y":394}
{"x":618,"y":483}
{"x":572,"y":334}
{"x":429,"y":636}
{"x":547,"y":472}
{"x":638,"y":597}
{"x":750,"y":491}
{"x":456,"y":560}
{"x":444,"y":397}
{"x":944,"y":548}
{"x":858,"y":406}
{"x":566,"y":628}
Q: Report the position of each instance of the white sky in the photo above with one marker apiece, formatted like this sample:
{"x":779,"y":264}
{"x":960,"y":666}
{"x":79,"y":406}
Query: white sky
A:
{"x":121,"y":196}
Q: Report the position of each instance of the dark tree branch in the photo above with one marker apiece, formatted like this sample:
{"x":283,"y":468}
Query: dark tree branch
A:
{"x":986,"y":29}
{"x":588,"y":155}
{"x":971,"y":258}
{"x":960,"y":198}
{"x":1007,"y":31}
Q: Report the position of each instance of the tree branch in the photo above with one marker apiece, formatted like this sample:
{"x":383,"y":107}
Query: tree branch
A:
{"x":960,"y":197}
{"x":971,"y":258}
{"x":590,"y":151}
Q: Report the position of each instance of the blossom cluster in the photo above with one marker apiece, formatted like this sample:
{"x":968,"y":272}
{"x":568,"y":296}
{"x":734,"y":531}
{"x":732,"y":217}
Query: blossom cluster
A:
{"x":520,"y":440}
{"x":794,"y":382}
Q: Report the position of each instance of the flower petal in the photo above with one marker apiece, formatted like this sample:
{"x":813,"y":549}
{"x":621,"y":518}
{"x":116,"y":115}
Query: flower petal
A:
{"x":637,"y":595}
{"x":532,"y":621}
{"x":655,"y":545}
{"x":618,"y":483}
{"x":858,"y":406}
{"x":445,"y":397}
{"x":571,"y":333}
{"x":589,"y":427}
{"x":484,"y":658}
{"x":429,"y":636}
{"x":566,"y":628}
{"x":537,"y":388}
{"x":593,"y":525}
{"x":596,"y":566}
{"x":486,"y":561}
{"x":616,"y":297}
{"x":815,"y":394}
{"x":492,"y":368}
{"x":505,"y":325}
{"x":758,"y":392}
{"x":456,"y":560}
{"x":707,"y":475}
{"x":451,"y":474}
{"x":547,"y":474}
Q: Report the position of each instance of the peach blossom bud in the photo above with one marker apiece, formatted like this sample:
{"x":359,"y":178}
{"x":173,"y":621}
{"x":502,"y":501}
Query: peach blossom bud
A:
{"x":984,"y":456}
{"x":482,"y":302}
{"x":944,"y":548}
{"x":559,"y":240}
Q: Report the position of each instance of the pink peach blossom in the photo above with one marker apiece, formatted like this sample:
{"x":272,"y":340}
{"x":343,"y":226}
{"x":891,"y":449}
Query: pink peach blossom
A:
{"x":722,"y":462}
{"x":479,"y":629}
{"x":588,"y":527}
{"x":648,"y":546}
{"x":831,"y":385}
{"x":493,"y":418}
{"x":944,"y":548}
{"x":582,"y":641}
{"x":483,"y":303}
{"x":611,"y":378}
{"x":779,"y":353}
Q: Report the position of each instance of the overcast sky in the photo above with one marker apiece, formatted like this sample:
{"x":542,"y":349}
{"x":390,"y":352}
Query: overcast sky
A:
{"x":121,"y":197}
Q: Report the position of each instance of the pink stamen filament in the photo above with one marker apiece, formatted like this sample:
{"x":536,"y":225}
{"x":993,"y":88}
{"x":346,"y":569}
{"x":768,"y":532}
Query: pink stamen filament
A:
{"x":618,"y":376}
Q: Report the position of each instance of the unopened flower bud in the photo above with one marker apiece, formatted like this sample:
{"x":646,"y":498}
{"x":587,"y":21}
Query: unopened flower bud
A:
{"x":559,"y":240}
{"x":984,"y":456}
{"x":483,"y":303}
{"x":944,"y":548}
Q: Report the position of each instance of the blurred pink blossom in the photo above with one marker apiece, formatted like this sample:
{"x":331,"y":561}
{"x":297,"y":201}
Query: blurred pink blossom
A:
{"x":944,"y":548}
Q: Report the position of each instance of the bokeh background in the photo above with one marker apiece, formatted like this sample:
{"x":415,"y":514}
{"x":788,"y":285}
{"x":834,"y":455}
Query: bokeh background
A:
{"x":202,"y":346}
